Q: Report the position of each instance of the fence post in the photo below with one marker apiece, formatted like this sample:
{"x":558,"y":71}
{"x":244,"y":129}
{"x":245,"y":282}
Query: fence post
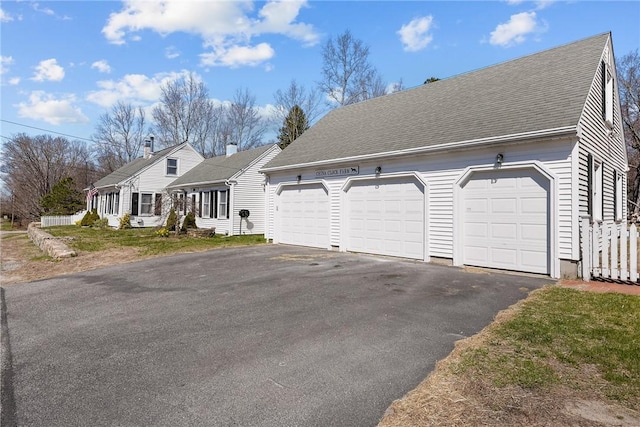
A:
{"x":595,"y":250}
{"x":605,"y":250}
{"x":624,"y":273}
{"x":614,"y":251}
{"x":585,"y":250}
{"x":633,"y":253}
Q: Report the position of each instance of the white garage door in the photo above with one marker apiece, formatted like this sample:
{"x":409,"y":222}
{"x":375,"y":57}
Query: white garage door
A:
{"x":506,"y":220}
{"x":386,"y":217}
{"x":303,"y":216}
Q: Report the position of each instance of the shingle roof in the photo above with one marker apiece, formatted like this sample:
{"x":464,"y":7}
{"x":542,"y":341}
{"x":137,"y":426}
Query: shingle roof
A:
{"x":542,"y":91}
{"x":132,"y":168}
{"x":220,"y":168}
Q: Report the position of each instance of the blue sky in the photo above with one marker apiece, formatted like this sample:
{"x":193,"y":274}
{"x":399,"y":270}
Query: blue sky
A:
{"x":63,"y":64}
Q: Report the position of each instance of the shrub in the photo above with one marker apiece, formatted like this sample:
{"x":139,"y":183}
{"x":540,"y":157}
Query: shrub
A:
{"x":125,"y":221}
{"x":89,"y":218}
{"x":172,"y":220}
{"x":189,"y":221}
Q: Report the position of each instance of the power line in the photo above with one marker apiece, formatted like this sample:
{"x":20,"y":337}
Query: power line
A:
{"x":45,"y":130}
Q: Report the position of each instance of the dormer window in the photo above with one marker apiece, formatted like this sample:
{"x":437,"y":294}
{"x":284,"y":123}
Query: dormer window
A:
{"x":172,"y":166}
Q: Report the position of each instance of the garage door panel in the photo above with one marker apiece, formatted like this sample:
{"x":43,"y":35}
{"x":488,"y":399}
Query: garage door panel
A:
{"x":513,"y":232}
{"x":304,"y":216}
{"x":504,"y":231}
{"x":392,"y":211}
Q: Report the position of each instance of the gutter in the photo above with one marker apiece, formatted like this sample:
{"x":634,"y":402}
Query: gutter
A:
{"x":521,"y":137}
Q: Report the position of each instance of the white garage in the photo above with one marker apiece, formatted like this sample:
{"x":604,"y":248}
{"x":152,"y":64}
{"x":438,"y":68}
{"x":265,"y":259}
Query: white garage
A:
{"x":386,"y":216}
{"x":506,"y":220}
{"x":302,"y":215}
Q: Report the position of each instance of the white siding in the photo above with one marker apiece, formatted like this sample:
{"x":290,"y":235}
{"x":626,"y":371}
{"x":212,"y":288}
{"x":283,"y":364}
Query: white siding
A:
{"x":443,"y":170}
{"x":249,"y":194}
{"x":605,"y":146}
{"x":154,"y":179}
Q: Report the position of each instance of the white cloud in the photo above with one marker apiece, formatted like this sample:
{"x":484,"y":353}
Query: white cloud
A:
{"x":237,"y":56}
{"x":171,"y":52}
{"x":48,"y":70}
{"x":415,"y":35}
{"x":4,"y":62}
{"x":226,"y":28}
{"x":5,"y":17}
{"x":45,"y":107}
{"x":14,"y":81}
{"x":540,"y":4}
{"x":134,"y":88}
{"x":45,"y":10}
{"x":102,"y":66}
{"x":514,"y":31}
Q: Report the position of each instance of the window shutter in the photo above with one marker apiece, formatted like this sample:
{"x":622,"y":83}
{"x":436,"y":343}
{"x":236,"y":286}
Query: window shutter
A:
{"x":215,"y":204}
{"x":193,"y":203}
{"x":590,"y":184}
{"x":158,"y":204}
{"x":200,"y":204}
{"x":134,"y":204}
{"x":228,"y":202}
{"x":211,"y":205}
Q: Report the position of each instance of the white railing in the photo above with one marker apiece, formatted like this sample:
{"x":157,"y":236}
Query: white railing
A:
{"x":52,"y":221}
{"x":609,"y":251}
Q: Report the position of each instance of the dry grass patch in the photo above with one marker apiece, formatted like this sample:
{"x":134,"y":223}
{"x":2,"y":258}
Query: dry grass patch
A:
{"x":561,"y":357}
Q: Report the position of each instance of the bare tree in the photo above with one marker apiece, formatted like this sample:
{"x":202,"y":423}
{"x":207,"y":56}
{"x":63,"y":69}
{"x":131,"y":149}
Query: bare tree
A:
{"x":347,"y":74}
{"x":243,"y":125}
{"x":186,"y":114}
{"x":33,"y":165}
{"x":119,"y":136}
{"x":628,"y":70}
{"x":310,"y":101}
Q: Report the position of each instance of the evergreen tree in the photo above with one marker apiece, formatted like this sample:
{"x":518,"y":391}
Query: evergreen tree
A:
{"x":293,"y":126}
{"x":63,"y":199}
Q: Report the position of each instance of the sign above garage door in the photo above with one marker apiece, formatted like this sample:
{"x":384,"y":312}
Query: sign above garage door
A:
{"x":344,"y":171}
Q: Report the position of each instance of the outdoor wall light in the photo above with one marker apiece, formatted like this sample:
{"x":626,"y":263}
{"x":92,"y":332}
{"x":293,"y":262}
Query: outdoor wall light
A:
{"x":499,"y":158}
{"x":299,"y":178}
{"x":378,"y":170}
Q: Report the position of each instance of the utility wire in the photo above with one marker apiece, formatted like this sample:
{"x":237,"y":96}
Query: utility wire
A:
{"x":45,"y":130}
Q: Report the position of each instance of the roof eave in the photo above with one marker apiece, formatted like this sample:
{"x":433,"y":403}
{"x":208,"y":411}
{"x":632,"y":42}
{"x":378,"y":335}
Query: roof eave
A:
{"x":519,"y":137}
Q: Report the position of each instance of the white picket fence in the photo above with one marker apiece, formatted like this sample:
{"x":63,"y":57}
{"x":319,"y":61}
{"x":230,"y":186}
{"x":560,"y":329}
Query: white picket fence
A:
{"x":52,"y":221}
{"x":609,"y":251}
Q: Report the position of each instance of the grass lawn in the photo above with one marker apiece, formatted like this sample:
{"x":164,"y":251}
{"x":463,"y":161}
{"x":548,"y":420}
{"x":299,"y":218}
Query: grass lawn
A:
{"x":558,"y":347}
{"x":144,"y":239}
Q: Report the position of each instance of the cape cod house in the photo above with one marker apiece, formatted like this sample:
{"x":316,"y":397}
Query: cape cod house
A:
{"x":219,"y":189}
{"x":492,"y":168}
{"x":138,"y":188}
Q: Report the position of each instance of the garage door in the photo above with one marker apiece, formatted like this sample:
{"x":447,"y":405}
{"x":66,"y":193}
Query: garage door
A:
{"x":386,"y":217}
{"x":303,"y":216}
{"x":506,"y":220}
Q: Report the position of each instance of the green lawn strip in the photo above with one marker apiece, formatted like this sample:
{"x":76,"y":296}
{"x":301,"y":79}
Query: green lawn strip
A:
{"x":557,"y":333}
{"x":146,"y":239}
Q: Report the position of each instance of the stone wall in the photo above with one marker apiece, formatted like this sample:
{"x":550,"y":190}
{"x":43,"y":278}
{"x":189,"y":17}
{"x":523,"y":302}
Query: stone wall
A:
{"x":52,"y":246}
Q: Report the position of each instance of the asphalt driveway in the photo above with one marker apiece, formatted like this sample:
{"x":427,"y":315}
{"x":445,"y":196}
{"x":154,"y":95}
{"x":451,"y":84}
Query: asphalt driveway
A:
{"x":270,"y":335}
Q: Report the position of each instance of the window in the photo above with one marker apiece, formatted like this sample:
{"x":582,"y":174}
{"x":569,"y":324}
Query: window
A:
{"x":206,"y":204}
{"x":223,"y":204}
{"x":146,"y":203}
{"x":617,"y":196}
{"x":116,"y":207}
{"x":172,"y":166}
{"x":597,"y":191}
{"x":607,"y":95}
